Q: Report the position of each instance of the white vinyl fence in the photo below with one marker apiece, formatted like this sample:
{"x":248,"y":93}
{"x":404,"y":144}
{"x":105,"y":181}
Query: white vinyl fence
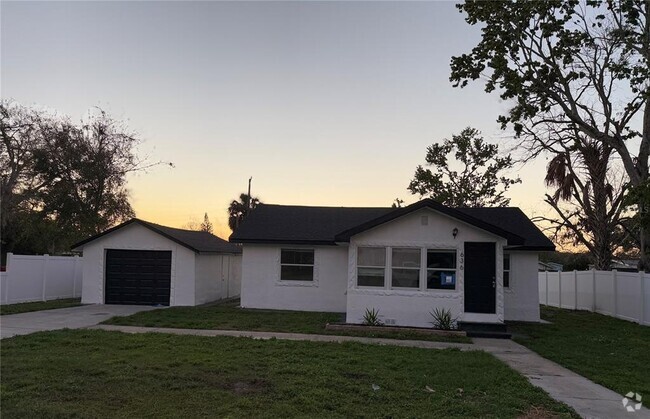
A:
{"x":40,"y":278}
{"x":625,"y":295}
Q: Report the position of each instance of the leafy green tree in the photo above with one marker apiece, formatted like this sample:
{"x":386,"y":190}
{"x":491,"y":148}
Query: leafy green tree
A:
{"x":568,"y":65}
{"x":239,"y":209}
{"x":479,"y":183}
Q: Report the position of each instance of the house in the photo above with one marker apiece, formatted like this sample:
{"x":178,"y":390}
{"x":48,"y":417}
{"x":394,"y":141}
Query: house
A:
{"x":139,"y":262}
{"x":480,"y":263}
{"x":550,"y":267}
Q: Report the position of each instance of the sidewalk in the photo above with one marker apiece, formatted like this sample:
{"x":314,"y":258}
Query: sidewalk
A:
{"x":587,"y":398}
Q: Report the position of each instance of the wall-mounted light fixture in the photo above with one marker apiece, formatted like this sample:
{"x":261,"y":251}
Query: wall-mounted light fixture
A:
{"x":454,"y":232}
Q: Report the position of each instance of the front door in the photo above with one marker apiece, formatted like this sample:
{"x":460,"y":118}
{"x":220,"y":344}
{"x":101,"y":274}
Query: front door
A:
{"x":480,"y":277}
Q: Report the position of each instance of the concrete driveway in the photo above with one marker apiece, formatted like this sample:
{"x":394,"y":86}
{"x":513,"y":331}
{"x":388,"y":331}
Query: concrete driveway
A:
{"x":62,"y":318}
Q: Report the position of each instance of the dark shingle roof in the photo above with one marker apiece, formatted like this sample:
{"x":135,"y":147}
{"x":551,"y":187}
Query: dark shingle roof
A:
{"x":289,"y":224}
{"x":198,"y":241}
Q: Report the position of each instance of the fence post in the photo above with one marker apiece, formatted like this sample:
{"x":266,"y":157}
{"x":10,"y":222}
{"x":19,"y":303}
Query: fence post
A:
{"x":10,"y":256}
{"x":575,"y":287}
{"x":559,"y":289}
{"x":593,"y":290}
{"x":46,"y":260}
{"x":75,"y":265}
{"x":615,"y":281}
{"x":642,"y":301}
{"x":546,"y":300}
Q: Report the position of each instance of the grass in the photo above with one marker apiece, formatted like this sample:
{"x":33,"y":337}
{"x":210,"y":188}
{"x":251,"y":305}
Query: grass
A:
{"x":228,"y":316}
{"x":611,"y":352}
{"x":95,"y":373}
{"x":38,"y":306}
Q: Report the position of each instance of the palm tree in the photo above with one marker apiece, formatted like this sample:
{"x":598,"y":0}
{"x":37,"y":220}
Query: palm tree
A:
{"x":238,"y":210}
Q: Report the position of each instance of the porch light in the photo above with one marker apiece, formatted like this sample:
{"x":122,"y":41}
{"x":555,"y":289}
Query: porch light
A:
{"x":454,"y":232}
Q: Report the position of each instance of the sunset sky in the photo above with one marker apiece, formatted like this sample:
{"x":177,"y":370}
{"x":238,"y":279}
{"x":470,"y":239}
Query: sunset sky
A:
{"x":321,"y":103}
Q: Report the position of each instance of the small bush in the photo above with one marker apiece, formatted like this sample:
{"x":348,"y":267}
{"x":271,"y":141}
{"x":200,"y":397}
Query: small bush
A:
{"x":442,"y":319}
{"x":371,"y":318}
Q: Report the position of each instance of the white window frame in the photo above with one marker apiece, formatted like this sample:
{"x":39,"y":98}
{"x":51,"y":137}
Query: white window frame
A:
{"x":385,"y":267}
{"x":455,"y":269}
{"x":419,"y":269}
{"x":313,"y":266}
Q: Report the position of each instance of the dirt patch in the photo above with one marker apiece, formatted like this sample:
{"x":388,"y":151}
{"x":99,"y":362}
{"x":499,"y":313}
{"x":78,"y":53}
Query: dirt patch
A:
{"x":538,"y":412}
{"x":244,"y":388}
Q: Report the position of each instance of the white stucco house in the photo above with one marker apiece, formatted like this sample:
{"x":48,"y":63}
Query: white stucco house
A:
{"x":480,"y":263}
{"x":139,"y":262}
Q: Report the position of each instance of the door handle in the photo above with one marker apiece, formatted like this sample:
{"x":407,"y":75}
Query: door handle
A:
{"x":494,"y":284}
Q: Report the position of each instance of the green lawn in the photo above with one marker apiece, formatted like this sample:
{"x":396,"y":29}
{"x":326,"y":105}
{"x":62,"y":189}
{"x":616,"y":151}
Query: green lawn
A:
{"x":608,"y":351}
{"x":39,"y":305}
{"x":227,"y":315}
{"x":95,"y":373}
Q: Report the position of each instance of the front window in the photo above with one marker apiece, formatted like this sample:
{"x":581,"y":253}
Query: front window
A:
{"x":441,"y":269}
{"x":506,"y":270}
{"x":371,"y":266}
{"x":406,"y":268}
{"x":297,"y":265}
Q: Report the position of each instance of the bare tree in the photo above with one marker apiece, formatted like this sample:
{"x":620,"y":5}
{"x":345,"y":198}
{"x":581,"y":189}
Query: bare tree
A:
{"x":588,"y":198}
{"x":575,"y":65}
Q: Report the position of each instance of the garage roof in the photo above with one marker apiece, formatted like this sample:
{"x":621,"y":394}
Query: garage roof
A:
{"x":290,"y":224}
{"x":197,"y":241}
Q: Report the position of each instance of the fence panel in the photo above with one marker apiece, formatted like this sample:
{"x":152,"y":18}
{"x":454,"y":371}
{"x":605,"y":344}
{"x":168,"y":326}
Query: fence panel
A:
{"x":625,"y":295}
{"x":40,"y":278}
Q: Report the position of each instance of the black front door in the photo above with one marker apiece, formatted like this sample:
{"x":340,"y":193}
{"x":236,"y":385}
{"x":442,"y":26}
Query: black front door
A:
{"x":480,"y":277}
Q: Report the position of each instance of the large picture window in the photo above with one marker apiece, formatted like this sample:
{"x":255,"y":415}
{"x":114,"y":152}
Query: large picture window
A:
{"x":406,"y":268}
{"x":297,"y":264}
{"x":371,"y":266}
{"x":441,"y":269}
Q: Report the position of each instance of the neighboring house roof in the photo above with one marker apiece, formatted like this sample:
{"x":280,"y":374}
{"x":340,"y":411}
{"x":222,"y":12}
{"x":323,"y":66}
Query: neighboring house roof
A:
{"x":550,"y":266}
{"x":197,"y":241}
{"x":289,"y":224}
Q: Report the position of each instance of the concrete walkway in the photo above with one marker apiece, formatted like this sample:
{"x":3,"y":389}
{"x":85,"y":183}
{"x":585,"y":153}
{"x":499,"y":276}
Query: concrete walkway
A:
{"x":587,"y":398}
{"x":62,"y":318}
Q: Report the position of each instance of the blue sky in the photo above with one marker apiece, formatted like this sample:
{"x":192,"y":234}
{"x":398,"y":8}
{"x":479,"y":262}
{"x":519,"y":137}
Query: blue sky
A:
{"x":323,"y":103}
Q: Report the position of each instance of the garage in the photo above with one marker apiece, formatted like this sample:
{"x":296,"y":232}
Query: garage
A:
{"x":138,"y":277}
{"x":142,"y":263}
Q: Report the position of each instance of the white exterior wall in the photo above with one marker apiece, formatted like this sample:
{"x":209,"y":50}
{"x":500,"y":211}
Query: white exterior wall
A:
{"x":262,"y":288}
{"x":218,"y":276}
{"x":522,"y":297}
{"x":412,"y":307}
{"x":137,"y":237}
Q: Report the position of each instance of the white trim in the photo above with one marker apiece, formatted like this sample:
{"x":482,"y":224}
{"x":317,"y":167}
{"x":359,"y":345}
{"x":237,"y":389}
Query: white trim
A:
{"x":291,"y":283}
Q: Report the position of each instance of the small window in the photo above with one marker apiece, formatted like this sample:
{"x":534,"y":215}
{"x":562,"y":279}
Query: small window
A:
{"x":371,"y":266}
{"x":441,"y":269}
{"x":406,"y":268}
{"x":297,"y":265}
{"x":506,"y":270}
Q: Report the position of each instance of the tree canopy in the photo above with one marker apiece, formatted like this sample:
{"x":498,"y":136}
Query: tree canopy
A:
{"x":480,"y":182}
{"x":62,"y":181}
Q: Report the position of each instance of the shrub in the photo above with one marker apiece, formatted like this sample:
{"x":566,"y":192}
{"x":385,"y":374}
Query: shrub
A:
{"x":371,"y":318}
{"x":442,"y":319}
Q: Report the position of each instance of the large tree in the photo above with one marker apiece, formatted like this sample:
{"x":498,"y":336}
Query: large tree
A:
{"x":582,"y":65}
{"x":62,"y":181}
{"x":480,"y":181}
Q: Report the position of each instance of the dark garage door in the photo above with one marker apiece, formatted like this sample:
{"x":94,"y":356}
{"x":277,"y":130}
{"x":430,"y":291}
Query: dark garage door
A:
{"x":138,"y":277}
